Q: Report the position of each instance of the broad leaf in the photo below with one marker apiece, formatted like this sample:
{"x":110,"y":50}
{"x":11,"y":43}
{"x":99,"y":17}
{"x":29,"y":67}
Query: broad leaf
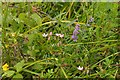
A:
{"x":19,"y":66}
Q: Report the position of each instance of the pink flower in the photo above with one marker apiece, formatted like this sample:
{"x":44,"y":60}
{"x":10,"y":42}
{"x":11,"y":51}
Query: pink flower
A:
{"x":49,"y":38}
{"x":50,"y":34}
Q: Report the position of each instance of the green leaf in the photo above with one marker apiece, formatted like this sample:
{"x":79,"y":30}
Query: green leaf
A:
{"x":8,"y":73}
{"x":37,"y":18}
{"x":25,"y":19}
{"x":19,"y":66}
{"x":17,"y":76}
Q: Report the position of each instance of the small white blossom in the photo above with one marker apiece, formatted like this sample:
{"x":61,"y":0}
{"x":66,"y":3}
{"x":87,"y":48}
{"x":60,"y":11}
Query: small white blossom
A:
{"x":44,"y":35}
{"x":80,"y":68}
{"x":57,"y":34}
{"x":61,"y":35}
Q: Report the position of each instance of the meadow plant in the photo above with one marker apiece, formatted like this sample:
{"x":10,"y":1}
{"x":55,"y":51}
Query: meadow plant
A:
{"x":75,"y":32}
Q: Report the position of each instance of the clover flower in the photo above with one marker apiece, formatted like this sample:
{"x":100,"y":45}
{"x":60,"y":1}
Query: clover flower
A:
{"x":80,"y":68}
{"x":75,"y":32}
{"x":5,"y":67}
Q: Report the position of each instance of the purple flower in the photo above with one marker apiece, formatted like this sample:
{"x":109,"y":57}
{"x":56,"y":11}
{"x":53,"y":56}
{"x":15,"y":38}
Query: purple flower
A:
{"x":74,"y":37}
{"x":91,"y":19}
{"x":75,"y":32}
{"x":77,"y":27}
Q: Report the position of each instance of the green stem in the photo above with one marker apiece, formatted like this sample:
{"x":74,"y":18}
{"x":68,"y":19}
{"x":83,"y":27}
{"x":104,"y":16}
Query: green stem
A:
{"x":64,"y":73}
{"x":31,"y":72}
{"x":92,"y":42}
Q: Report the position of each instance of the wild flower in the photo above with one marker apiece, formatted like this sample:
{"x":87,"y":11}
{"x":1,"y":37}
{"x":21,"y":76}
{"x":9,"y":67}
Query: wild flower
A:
{"x":91,"y":19}
{"x":50,"y":34}
{"x":75,"y":32}
{"x":5,"y":67}
{"x":44,"y":35}
{"x":80,"y":68}
{"x":57,"y":34}
{"x":60,"y":35}
{"x":49,"y":38}
{"x":74,"y":37}
{"x":77,"y":27}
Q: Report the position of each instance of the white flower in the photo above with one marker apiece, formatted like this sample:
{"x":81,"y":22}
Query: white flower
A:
{"x":80,"y":68}
{"x":57,"y":34}
{"x":61,"y":35}
{"x":44,"y":35}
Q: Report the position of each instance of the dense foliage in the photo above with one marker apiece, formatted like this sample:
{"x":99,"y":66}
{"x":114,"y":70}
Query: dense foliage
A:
{"x":37,"y":40}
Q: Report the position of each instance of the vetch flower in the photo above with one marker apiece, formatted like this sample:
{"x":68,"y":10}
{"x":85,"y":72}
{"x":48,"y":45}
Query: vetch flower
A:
{"x":77,"y":27}
{"x":75,"y":32}
{"x":74,"y":37}
{"x":80,"y":68}
{"x":44,"y":35}
{"x":5,"y":67}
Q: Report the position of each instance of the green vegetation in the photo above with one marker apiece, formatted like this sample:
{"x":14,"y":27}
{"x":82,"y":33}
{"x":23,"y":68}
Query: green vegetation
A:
{"x":37,"y":40}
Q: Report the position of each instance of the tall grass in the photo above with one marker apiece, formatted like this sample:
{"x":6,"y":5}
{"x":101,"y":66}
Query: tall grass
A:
{"x":29,"y":54}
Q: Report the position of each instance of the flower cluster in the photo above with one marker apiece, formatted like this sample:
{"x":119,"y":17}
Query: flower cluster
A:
{"x":5,"y":67}
{"x":60,"y":35}
{"x":50,"y":34}
{"x":75,"y":32}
